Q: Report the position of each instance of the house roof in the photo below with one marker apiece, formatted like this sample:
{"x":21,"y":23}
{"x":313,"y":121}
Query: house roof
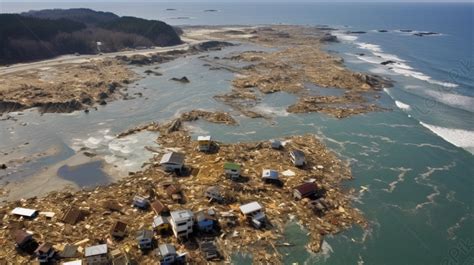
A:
{"x":44,"y":248}
{"x":204,"y":138}
{"x":159,"y":207}
{"x":72,"y":216}
{"x":297,"y":154}
{"x":173,"y":189}
{"x":96,"y":250}
{"x":270,"y":174}
{"x":144,"y":234}
{"x":159,"y":220}
{"x":69,"y":251}
{"x":306,"y":188}
{"x":275,"y":142}
{"x":231,"y":166}
{"x":202,"y":216}
{"x":181,"y":215}
{"x":172,"y":158}
{"x":24,"y":212}
{"x":167,"y":249}
{"x":119,"y":226}
{"x":21,"y":236}
{"x":250,"y":207}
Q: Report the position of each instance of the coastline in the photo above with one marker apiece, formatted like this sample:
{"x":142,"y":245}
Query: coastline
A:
{"x":340,"y":210}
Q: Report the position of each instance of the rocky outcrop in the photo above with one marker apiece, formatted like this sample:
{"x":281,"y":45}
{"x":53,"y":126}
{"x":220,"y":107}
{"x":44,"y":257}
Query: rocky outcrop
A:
{"x":183,"y":79}
{"x":328,"y":37}
{"x":59,"y":107}
{"x":421,"y":34}
{"x":10,"y":106}
{"x":210,"y":46}
{"x":388,"y":62}
{"x":374,"y":81}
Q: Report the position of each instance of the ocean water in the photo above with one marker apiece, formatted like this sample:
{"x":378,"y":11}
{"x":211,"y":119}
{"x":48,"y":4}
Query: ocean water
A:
{"x":413,"y":166}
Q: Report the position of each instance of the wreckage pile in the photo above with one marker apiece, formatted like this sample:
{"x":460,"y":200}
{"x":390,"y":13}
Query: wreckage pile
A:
{"x":269,"y":182}
{"x":67,"y":88}
{"x":299,"y":60}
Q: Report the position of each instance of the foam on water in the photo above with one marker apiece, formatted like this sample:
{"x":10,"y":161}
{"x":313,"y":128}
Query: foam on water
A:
{"x":458,"y":137}
{"x":398,"y":66}
{"x":400,"y":178}
{"x":402,"y":105}
{"x":266,"y":109}
{"x":126,"y":153}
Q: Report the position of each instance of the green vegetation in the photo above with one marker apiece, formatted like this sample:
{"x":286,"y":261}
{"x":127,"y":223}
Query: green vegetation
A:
{"x":45,"y":34}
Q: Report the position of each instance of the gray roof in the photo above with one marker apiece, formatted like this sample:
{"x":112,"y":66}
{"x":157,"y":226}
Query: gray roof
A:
{"x":159,"y":220}
{"x":144,"y":234}
{"x":96,"y":250}
{"x":250,"y":207}
{"x":167,"y":249}
{"x":270,"y":174}
{"x":297,"y":153}
{"x":181,"y":215}
{"x":172,"y":158}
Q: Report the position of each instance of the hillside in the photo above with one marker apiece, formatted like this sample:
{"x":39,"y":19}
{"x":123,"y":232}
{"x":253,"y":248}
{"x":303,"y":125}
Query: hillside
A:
{"x":44,"y":34}
{"x":82,"y":15}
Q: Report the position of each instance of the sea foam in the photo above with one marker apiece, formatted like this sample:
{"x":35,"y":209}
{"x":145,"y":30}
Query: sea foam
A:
{"x":398,"y":66}
{"x":402,"y":105}
{"x":458,"y":137}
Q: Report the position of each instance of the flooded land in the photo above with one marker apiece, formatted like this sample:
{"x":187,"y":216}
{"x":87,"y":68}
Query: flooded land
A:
{"x":118,"y":127}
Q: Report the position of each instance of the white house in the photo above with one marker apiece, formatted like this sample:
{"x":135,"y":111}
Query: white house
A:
{"x":182,"y":222}
{"x":204,"y":143}
{"x":276,"y":144}
{"x":172,"y":162}
{"x":166,"y":253}
{"x":298,"y":158}
{"x":270,"y":175}
{"x":232,"y":170}
{"x":254,"y":212}
{"x":97,"y":255}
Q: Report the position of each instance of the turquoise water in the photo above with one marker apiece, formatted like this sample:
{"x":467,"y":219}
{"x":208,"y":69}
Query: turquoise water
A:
{"x":412,"y":166}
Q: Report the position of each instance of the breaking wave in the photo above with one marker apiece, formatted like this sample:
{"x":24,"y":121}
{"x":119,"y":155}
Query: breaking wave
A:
{"x":397,"y":65}
{"x":402,"y":105}
{"x":458,"y":137}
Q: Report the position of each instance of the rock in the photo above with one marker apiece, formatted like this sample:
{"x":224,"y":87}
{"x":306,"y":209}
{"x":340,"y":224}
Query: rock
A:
{"x":86,"y":100}
{"x":59,"y":107}
{"x":3,"y":166}
{"x":103,"y":95}
{"x":10,"y":106}
{"x":183,"y":79}
{"x":382,"y":30}
{"x":328,"y":37}
{"x":421,"y":34}
{"x":103,"y":102}
{"x":406,"y":30}
{"x":356,"y":32}
{"x":211,"y":45}
{"x":112,"y":87}
{"x":388,"y":62}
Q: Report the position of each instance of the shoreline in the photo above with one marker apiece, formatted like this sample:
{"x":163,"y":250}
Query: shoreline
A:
{"x":251,"y":84}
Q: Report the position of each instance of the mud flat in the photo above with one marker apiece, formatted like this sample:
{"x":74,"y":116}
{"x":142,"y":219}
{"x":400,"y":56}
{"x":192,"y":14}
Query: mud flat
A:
{"x":205,"y":170}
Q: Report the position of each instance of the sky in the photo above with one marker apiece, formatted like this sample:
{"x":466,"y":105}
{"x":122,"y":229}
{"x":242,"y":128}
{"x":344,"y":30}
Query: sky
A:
{"x":240,"y":1}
